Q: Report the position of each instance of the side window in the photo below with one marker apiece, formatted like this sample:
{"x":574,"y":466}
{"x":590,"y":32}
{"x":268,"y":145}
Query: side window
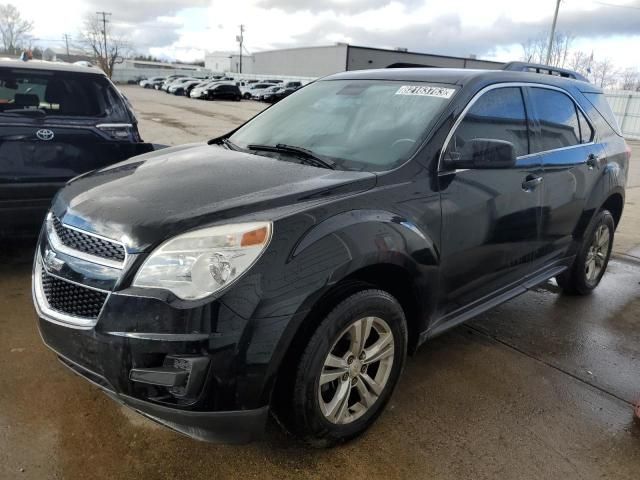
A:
{"x":586,"y":132}
{"x":498,"y":114}
{"x":559,"y":124}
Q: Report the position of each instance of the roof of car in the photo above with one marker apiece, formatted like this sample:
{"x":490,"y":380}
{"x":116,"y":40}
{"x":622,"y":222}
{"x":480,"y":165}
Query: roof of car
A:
{"x":50,"y":66}
{"x":456,"y":76}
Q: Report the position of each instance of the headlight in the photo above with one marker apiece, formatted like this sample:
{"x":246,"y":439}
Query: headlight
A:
{"x":199,"y":263}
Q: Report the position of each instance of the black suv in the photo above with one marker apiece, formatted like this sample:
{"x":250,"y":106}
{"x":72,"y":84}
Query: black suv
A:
{"x":289,"y":266}
{"x":56,"y":122}
{"x":224,"y":92}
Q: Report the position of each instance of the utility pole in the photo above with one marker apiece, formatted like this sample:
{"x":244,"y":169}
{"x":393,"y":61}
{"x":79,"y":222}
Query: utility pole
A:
{"x":104,"y":37}
{"x":240,"y":39}
{"x":553,"y":31}
{"x":66,"y":41}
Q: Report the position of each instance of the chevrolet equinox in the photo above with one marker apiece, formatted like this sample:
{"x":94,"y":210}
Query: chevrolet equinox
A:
{"x":290,"y":265}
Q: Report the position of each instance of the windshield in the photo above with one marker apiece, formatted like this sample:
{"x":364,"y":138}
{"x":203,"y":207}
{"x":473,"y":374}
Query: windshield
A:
{"x":58,"y":93}
{"x":367,"y":125}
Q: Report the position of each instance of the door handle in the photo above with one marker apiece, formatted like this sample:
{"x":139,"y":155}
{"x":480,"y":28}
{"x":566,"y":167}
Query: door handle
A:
{"x":531,"y":181}
{"x":592,"y":161}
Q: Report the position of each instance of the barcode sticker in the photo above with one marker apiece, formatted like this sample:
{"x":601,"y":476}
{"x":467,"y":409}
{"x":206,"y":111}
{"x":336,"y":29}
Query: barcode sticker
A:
{"x":425,"y":91}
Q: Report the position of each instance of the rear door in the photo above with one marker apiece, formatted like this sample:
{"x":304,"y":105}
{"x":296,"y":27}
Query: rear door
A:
{"x":564,"y":141}
{"x":490,"y":217}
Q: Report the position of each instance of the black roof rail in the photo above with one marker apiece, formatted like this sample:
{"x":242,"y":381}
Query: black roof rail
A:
{"x":544,"y":69}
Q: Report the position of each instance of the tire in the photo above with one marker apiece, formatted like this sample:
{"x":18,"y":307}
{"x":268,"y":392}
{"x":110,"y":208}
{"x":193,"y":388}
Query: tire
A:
{"x":314,"y":412}
{"x":592,"y":259}
{"x":247,"y":96}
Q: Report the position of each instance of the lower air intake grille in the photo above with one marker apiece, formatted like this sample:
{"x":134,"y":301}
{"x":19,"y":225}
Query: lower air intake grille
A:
{"x":72,"y":299}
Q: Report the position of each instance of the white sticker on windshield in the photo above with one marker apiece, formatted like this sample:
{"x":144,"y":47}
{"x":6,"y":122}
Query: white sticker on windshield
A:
{"x":425,"y":91}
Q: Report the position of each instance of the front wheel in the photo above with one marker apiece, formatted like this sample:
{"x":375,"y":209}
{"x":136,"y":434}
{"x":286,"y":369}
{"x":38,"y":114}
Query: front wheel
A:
{"x":349,"y":369}
{"x":592,"y":259}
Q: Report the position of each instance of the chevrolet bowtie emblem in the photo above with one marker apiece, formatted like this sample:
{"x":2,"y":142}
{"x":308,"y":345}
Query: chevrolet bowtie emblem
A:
{"x":52,"y":262}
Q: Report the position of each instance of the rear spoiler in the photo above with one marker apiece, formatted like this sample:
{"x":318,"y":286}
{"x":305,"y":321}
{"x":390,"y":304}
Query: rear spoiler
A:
{"x":544,"y":69}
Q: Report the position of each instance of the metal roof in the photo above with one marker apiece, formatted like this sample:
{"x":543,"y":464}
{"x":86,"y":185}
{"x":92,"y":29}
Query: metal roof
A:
{"x":455,"y":76}
{"x":50,"y":66}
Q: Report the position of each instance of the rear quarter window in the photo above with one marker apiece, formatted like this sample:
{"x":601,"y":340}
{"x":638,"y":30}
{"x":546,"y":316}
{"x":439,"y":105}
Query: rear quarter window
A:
{"x":599,"y":102}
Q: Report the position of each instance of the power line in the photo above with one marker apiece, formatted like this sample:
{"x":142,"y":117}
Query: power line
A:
{"x":632,"y":7}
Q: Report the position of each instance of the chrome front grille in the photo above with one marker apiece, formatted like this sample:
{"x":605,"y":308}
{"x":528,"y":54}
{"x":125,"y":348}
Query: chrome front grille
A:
{"x":87,"y":243}
{"x":72,"y":299}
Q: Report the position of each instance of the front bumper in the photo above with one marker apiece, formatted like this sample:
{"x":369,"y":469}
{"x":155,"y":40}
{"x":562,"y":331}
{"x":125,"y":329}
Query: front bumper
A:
{"x":105,"y":363}
{"x":241,"y":426}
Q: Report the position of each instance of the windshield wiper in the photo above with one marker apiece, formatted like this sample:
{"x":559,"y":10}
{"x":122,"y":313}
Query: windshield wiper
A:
{"x":26,"y":111}
{"x":307,"y":156}
{"x":229,"y":144}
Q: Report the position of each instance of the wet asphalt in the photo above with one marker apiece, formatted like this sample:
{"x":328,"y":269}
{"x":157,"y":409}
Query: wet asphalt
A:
{"x":541,"y":387}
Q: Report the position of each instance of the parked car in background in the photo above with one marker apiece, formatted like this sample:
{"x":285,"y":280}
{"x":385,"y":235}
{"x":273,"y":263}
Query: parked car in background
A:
{"x":224,"y":91}
{"x":57,"y":121}
{"x":180,"y":87}
{"x":267,"y":92}
{"x":149,"y":82}
{"x":255,"y":89}
{"x":177,"y":87}
{"x":188,"y":88}
{"x":200,"y":90}
{"x":171,"y":80}
{"x":168,"y":79}
{"x":295,"y":84}
{"x":279,"y":95}
{"x":273,"y":81}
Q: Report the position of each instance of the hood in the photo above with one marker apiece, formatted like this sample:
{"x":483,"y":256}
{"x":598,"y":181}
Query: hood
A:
{"x":149,"y":198}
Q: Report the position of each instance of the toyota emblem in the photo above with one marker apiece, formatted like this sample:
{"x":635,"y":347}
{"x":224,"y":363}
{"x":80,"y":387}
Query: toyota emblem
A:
{"x":45,"y":134}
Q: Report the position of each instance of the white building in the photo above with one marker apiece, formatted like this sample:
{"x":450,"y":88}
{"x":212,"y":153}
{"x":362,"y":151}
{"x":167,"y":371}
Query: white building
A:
{"x":228,"y":62}
{"x":321,"y":61}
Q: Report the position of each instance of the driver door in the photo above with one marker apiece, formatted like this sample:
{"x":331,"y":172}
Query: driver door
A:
{"x":491,"y":217}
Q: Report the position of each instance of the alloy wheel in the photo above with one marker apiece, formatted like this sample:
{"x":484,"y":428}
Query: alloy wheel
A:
{"x":356,"y":370}
{"x":597,"y":254}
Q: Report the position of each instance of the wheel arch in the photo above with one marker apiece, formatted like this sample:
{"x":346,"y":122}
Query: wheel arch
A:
{"x":391,"y":278}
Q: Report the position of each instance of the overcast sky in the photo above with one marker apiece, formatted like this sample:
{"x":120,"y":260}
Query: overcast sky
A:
{"x":492,"y":29}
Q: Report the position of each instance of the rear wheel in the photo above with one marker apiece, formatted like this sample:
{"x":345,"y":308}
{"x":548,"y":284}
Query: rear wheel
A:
{"x":592,"y":259}
{"x":348,"y":370}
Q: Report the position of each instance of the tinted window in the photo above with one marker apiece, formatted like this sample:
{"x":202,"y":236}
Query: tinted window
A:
{"x":361,"y":124}
{"x":599,"y":101}
{"x":586,"y":132}
{"x":559,"y":126}
{"x":498,"y":114}
{"x":58,"y":93}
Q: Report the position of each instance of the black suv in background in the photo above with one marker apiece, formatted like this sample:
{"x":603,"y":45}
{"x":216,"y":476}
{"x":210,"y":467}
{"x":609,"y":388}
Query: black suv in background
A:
{"x":291,"y":265}
{"x":224,"y":92}
{"x":56,"y":122}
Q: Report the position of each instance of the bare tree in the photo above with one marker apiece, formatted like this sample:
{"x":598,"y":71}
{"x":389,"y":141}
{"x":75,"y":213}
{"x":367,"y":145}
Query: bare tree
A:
{"x":93,"y":39}
{"x":535,"y":50}
{"x":13,"y":28}
{"x":603,"y":73}
{"x":630,"y":79}
{"x":580,"y":62}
